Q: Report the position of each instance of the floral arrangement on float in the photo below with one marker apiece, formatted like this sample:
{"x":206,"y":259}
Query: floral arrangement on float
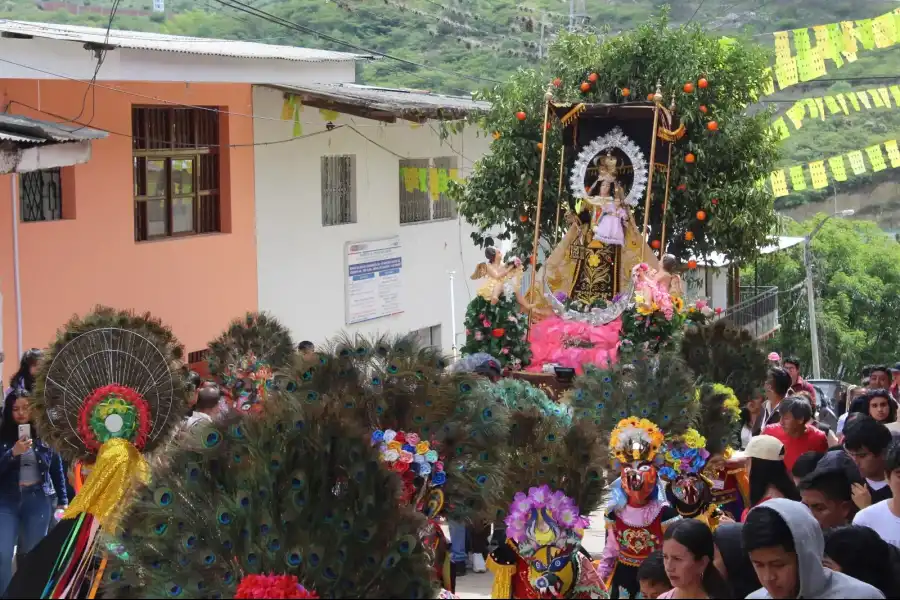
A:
{"x":700,"y":313}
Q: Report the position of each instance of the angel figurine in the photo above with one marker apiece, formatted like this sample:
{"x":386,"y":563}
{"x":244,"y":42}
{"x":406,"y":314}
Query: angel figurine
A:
{"x":610,"y":229}
{"x":503,"y":279}
{"x":668,"y":279}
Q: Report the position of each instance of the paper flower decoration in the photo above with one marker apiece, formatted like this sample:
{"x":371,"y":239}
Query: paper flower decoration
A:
{"x":558,"y":507}
{"x":635,"y":439}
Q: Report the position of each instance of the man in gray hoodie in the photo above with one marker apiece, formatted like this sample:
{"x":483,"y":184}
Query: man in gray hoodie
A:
{"x":786,"y":546}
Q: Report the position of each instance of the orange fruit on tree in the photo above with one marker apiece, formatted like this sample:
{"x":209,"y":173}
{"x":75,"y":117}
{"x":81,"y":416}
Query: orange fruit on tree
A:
{"x":540,"y":146}
{"x":703,"y":83}
{"x":593,"y":77}
{"x":585,"y":87}
{"x":681,"y":187}
{"x":692,"y":264}
{"x":712,"y":126}
{"x":703,"y":108}
{"x":689,"y":88}
{"x":557,"y":82}
{"x":650,"y":96}
{"x":523,"y":218}
{"x":520,"y":115}
{"x":701,"y":215}
{"x":655,"y":244}
{"x":626,"y":92}
{"x":689,"y":158}
{"x":715,"y":201}
{"x":689,"y":235}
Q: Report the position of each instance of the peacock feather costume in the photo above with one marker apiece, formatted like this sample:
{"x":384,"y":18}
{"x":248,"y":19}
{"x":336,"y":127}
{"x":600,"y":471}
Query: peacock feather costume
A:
{"x":111,"y":389}
{"x":296,"y":492}
{"x":245,"y":357}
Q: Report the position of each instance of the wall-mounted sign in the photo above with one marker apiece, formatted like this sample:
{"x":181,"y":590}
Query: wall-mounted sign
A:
{"x":373,"y":286}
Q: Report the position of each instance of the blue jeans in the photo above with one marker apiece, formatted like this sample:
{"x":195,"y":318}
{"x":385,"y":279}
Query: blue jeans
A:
{"x":23,"y":522}
{"x":458,"y":552}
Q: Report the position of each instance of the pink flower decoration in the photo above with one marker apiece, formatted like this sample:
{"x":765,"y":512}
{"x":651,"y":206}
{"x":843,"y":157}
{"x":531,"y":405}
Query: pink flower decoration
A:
{"x":702,"y":304}
{"x":412,"y":439}
{"x":486,"y":323}
{"x":439,"y":466}
{"x":505,"y":351}
{"x":406,"y":457}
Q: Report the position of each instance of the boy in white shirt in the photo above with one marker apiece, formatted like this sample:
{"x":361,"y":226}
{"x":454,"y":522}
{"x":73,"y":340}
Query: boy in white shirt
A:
{"x":884,"y":516}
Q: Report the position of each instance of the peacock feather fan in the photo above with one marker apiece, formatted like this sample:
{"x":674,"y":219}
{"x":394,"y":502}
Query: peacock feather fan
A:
{"x":721,"y":353}
{"x":718,"y":417}
{"x":658,"y":387}
{"x":517,"y":394}
{"x":395,"y":385}
{"x":295,"y":491}
{"x":110,"y":374}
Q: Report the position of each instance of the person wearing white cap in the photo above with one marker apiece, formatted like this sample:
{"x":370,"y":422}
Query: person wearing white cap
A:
{"x":769,"y":477}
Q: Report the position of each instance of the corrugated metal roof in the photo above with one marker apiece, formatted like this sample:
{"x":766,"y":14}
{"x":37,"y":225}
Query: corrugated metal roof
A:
{"x":392,"y":101}
{"x":25,"y":131}
{"x":142,"y":40}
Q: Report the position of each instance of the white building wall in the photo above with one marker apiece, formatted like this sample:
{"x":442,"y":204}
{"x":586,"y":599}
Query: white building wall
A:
{"x":301,"y":263}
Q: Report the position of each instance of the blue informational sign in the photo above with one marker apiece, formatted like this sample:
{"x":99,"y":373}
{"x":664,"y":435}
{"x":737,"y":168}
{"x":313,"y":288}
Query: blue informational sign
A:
{"x":373,"y":284}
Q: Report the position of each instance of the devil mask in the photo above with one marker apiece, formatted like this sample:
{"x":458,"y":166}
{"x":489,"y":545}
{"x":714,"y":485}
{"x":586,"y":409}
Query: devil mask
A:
{"x":639,"y":482}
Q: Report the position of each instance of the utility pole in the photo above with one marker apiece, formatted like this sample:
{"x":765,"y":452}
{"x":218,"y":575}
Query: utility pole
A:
{"x":541,"y":43}
{"x":577,"y":14}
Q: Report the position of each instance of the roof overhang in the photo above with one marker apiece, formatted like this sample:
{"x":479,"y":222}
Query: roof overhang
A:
{"x":716,"y":260}
{"x":383,"y":104}
{"x":29,"y":144}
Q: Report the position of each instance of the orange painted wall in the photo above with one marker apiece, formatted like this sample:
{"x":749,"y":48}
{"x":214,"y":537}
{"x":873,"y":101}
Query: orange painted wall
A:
{"x":195,"y":284}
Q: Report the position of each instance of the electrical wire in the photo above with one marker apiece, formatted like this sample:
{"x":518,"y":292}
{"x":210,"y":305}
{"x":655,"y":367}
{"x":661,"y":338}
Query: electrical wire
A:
{"x":100,"y":59}
{"x":696,"y":10}
{"x":261,"y":14}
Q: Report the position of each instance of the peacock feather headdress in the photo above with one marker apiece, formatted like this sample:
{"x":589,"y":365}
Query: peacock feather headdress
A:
{"x":718,"y":419}
{"x":245,"y":357}
{"x":722,"y":353}
{"x":399,"y":385}
{"x":297,"y":491}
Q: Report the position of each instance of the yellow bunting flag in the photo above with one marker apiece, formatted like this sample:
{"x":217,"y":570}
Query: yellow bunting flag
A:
{"x":836,"y":164}
{"x":782,"y":47}
{"x":786,"y":73}
{"x":820,"y":104}
{"x":885,"y":96}
{"x":885,"y":30}
{"x":813,"y":108}
{"x":287,"y":109}
{"x":895,"y":92}
{"x":801,"y":40}
{"x":443,"y":181}
{"x":857,"y":164}
{"x":876,"y":158}
{"x":810,"y":65}
{"x":876,"y":98}
{"x":796,"y":113}
{"x":781,"y":129}
{"x":798,"y":178}
{"x":864,"y":98}
{"x":779,"y":183}
{"x":453,"y":174}
{"x":410,"y":178}
{"x":769,"y":86}
{"x":836,"y":42}
{"x":818,"y":175}
{"x":849,"y":37}
{"x":832,"y":105}
{"x":866,"y":33}
{"x":433,"y":184}
{"x":853,"y":101}
{"x":328,"y":115}
{"x":893,"y":153}
{"x":843,"y":102}
{"x":423,"y":179}
{"x":297,"y":131}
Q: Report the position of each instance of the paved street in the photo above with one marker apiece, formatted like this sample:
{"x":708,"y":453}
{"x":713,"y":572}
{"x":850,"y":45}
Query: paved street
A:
{"x":478,"y":585}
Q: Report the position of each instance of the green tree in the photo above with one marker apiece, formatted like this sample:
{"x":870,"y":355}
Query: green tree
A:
{"x":722,"y":182}
{"x":856,"y":274}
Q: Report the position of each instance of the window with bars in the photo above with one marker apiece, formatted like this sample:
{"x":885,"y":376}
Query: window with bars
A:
{"x":176,"y":172}
{"x":40,"y":195}
{"x":417,"y":204}
{"x":338,"y":189}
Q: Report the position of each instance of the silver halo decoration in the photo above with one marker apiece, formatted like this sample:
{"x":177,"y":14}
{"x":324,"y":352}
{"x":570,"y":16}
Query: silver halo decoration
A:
{"x":101,"y":357}
{"x":595,"y":316}
{"x":615,"y":139}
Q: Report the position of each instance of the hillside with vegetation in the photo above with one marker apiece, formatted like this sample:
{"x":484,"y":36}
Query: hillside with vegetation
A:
{"x":458,"y":46}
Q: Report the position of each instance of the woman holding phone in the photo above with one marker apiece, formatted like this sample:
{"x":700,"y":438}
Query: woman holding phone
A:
{"x":30,"y":475}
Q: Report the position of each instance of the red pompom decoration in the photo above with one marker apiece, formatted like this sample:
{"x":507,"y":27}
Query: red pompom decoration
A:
{"x":498,"y":333}
{"x":272,"y":586}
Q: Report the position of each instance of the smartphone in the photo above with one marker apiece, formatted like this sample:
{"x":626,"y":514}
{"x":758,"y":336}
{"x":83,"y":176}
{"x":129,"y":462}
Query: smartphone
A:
{"x":25,"y":431}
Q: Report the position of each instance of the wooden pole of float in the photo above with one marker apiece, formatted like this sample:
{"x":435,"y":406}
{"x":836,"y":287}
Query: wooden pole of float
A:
{"x":662,"y":242}
{"x":548,"y":96}
{"x":562,"y":164}
{"x":657,"y":98}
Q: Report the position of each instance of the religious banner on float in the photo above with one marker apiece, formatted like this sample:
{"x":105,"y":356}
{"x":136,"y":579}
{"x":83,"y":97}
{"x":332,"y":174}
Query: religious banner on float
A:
{"x":373,"y":280}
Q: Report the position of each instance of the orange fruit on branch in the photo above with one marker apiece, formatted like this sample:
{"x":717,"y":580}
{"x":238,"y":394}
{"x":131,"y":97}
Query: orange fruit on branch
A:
{"x":703,"y":108}
{"x":689,"y":88}
{"x":712,"y":126}
{"x":626,"y":92}
{"x":585,"y":87}
{"x":593,"y":77}
{"x":689,"y":235}
{"x":703,"y":83}
{"x":692,"y":264}
{"x":557,"y":82}
{"x":655,"y":244}
{"x":701,"y":215}
{"x":689,"y":158}
{"x":523,"y":218}
{"x":520,"y":115}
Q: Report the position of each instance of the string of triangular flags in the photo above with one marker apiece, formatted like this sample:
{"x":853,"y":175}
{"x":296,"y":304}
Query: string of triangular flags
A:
{"x":837,"y":42}
{"x":432,"y":180}
{"x":291,"y":109}
{"x":840,"y":103}
{"x":837,"y":168}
